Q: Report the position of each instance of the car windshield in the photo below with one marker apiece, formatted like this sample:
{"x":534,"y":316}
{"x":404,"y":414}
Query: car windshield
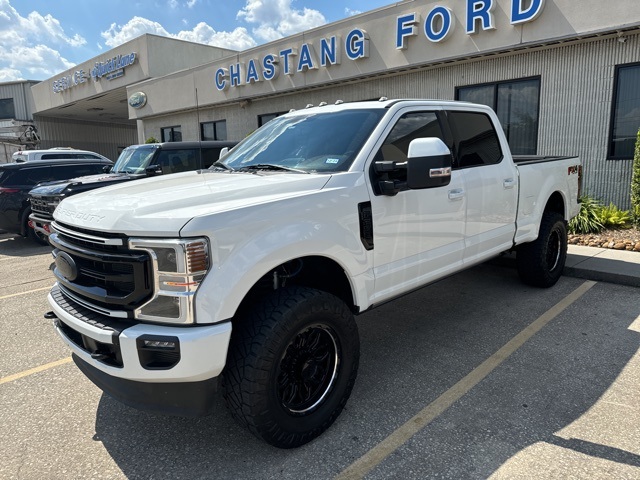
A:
{"x":324,"y":142}
{"x":134,"y":159}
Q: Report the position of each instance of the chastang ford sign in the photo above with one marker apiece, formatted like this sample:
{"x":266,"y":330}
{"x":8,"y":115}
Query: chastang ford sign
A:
{"x":438,"y":26}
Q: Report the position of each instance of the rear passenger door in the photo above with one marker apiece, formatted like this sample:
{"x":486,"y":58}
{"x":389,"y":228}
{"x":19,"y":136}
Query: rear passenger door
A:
{"x":491,"y":184}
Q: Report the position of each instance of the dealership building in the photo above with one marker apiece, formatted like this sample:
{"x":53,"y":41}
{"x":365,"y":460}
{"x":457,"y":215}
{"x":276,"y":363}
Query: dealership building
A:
{"x":562,"y":75}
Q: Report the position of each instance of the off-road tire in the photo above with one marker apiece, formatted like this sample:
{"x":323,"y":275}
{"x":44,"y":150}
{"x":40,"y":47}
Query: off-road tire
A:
{"x":540,"y":263}
{"x":291,"y":365}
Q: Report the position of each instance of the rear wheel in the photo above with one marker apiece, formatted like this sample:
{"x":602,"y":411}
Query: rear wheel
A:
{"x":291,"y":366}
{"x":540,"y":263}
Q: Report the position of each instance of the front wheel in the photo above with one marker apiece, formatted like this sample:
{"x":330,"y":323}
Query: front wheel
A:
{"x":540,"y":263}
{"x":291,"y":366}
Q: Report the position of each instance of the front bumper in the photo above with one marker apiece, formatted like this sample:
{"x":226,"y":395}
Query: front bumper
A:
{"x":40,"y":225}
{"x":108,"y":351}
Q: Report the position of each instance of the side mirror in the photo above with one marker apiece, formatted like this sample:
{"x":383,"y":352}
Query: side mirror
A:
{"x":107,"y":168}
{"x":223,"y":152}
{"x":428,"y":164}
{"x":152,"y":170}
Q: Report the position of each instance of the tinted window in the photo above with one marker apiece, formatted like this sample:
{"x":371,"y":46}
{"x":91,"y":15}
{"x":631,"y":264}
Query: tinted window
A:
{"x":625,"y":117}
{"x":174,"y":161}
{"x":171,"y":134}
{"x":30,"y":176}
{"x":210,"y":156}
{"x":214,"y":130}
{"x":409,"y":127}
{"x":475,"y":139}
{"x":55,"y":156}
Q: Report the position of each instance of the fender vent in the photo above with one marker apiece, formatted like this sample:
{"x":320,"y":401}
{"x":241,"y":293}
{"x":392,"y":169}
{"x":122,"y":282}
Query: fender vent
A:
{"x":366,"y":224}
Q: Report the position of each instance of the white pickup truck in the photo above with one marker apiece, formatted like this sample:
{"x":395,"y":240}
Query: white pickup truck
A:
{"x":251,"y":272}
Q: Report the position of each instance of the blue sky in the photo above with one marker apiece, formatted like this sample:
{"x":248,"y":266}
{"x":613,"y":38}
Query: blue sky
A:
{"x":41,"y":38}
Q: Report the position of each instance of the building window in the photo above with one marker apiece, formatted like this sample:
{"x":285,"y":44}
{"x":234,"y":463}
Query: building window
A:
{"x":517,"y":104}
{"x":625,"y":112}
{"x":7,"y":110}
{"x":262,"y":119}
{"x":213,"y":130}
{"x":171,"y":134}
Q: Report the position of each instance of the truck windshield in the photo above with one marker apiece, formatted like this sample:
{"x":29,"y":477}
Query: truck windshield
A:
{"x":314,"y":143}
{"x":134,"y":159}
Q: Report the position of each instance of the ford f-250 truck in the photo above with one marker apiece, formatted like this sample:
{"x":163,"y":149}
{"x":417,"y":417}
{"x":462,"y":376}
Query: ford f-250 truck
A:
{"x":251,"y":272}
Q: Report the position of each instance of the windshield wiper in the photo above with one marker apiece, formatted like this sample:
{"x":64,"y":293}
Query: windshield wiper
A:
{"x":219,"y":164}
{"x":271,"y":166}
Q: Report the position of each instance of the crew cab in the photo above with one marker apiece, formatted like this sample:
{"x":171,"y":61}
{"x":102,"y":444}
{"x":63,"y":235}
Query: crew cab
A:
{"x":249,"y":274}
{"x":135,"y":162}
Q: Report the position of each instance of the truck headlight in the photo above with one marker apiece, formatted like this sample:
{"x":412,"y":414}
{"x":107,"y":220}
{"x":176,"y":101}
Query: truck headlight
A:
{"x":179,"y":265}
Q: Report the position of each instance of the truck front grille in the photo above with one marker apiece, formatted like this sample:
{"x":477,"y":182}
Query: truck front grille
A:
{"x":100,"y":269}
{"x":44,"y":206}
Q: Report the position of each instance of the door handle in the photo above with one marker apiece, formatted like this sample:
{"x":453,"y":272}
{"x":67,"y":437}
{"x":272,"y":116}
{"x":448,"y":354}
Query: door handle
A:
{"x":456,"y":194}
{"x":509,"y":183}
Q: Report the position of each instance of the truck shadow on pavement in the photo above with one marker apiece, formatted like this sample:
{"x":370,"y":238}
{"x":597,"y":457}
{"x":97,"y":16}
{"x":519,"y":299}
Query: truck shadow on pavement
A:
{"x":543,"y":398}
{"x":13,"y":245}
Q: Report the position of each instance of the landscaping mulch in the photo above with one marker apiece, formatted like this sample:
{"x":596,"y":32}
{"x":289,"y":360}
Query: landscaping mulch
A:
{"x":620,"y":239}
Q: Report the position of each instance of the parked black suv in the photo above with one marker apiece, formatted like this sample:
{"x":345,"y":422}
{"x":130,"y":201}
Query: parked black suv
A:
{"x":17,"y":179}
{"x":136,"y":161}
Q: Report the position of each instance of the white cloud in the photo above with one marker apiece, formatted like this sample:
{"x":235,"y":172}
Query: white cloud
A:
{"x":191,"y":3}
{"x":10,"y":75}
{"x":27,"y":46}
{"x":119,"y":34}
{"x":277,"y":18}
{"x":37,"y":61}
{"x":350,"y":13}
{"x":173,"y":4}
{"x":18,"y":30}
{"x":238,"y":39}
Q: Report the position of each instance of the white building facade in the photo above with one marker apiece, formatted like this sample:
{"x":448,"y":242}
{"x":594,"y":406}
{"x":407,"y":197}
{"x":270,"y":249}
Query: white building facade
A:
{"x":563,"y":76}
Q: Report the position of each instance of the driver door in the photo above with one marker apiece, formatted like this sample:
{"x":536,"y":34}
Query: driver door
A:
{"x":418,"y":234}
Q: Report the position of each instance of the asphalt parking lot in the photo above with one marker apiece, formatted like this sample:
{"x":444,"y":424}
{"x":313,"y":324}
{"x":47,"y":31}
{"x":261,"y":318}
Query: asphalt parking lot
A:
{"x":477,"y":376}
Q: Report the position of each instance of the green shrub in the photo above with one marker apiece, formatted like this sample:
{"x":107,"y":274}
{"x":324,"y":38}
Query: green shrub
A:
{"x":587,"y":220}
{"x":613,"y":217}
{"x":635,"y":184}
{"x":152,"y":140}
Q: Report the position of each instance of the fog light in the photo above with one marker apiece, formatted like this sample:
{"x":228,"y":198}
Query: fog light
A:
{"x":158,"y":344}
{"x":157,"y":352}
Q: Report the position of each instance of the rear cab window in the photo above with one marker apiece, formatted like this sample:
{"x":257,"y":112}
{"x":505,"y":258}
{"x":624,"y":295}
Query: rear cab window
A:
{"x":475,"y":139}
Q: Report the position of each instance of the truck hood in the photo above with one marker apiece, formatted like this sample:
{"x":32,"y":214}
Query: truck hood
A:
{"x":163,"y":205}
{"x":56,"y":187}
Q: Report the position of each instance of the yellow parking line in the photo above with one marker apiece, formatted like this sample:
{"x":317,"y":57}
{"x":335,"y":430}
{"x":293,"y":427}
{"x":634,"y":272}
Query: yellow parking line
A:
{"x":399,"y":437}
{"x":31,"y":371}
{"x":24,"y":293}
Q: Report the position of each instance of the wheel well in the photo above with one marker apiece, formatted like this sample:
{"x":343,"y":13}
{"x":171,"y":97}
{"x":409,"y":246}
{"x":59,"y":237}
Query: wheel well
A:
{"x":555,"y":204}
{"x":316,"y":272}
